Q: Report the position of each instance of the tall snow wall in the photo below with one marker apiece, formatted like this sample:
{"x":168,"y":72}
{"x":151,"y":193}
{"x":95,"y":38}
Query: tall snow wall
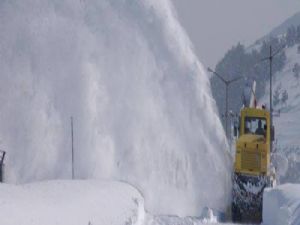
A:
{"x":141,"y":101}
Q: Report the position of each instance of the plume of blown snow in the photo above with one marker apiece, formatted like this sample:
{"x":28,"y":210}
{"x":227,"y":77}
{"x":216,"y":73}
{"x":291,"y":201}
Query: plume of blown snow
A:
{"x":141,"y":101}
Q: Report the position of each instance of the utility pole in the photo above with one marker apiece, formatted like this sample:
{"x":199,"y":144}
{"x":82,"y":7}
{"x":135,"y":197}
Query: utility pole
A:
{"x":2,"y":157}
{"x":271,"y":95}
{"x":227,"y":83}
{"x":270,"y":58}
{"x":72,"y":139}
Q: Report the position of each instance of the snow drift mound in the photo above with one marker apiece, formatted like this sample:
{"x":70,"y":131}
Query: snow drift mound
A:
{"x":282,"y":205}
{"x":141,"y":102}
{"x":71,"y":202}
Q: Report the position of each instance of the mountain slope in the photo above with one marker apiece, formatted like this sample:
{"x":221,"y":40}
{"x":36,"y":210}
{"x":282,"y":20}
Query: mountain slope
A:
{"x":246,"y":61}
{"x":287,"y":124}
{"x":281,"y":29}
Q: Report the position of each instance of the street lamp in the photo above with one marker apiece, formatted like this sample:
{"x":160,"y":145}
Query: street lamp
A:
{"x":227,"y":83}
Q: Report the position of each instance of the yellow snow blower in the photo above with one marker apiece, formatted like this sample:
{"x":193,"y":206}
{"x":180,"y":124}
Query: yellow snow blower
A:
{"x":252,"y":170}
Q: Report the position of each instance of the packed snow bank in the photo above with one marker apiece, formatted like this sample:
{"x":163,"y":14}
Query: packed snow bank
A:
{"x":141,"y":101}
{"x":173,"y":220}
{"x":281,"y":205}
{"x":71,"y":203}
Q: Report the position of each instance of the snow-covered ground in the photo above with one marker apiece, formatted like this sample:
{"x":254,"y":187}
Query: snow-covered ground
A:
{"x":82,"y":202}
{"x":101,"y":202}
{"x":282,"y":205}
{"x":71,"y":203}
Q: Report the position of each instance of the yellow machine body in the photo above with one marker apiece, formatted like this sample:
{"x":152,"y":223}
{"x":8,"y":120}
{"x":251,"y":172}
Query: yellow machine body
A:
{"x":253,"y":150}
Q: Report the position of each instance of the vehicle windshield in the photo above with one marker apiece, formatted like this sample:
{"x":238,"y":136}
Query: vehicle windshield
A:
{"x":255,"y":125}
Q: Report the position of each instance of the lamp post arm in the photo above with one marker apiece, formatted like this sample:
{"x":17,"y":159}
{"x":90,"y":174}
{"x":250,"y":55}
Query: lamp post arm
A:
{"x":218,"y":75}
{"x":235,"y":79}
{"x":225,"y":81}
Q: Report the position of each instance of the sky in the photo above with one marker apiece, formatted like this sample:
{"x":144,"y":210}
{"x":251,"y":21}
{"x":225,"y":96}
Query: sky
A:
{"x":214,"y":26}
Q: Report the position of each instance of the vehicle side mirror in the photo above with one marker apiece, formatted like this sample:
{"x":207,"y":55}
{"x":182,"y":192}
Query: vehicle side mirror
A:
{"x":272,"y":133}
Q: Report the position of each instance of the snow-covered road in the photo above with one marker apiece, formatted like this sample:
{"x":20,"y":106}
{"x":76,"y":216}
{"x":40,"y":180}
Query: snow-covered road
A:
{"x":101,"y":202}
{"x":71,"y":203}
{"x":81,"y":202}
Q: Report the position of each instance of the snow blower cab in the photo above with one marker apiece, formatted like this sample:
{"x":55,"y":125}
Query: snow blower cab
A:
{"x":253,"y":145}
{"x":252,"y":162}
